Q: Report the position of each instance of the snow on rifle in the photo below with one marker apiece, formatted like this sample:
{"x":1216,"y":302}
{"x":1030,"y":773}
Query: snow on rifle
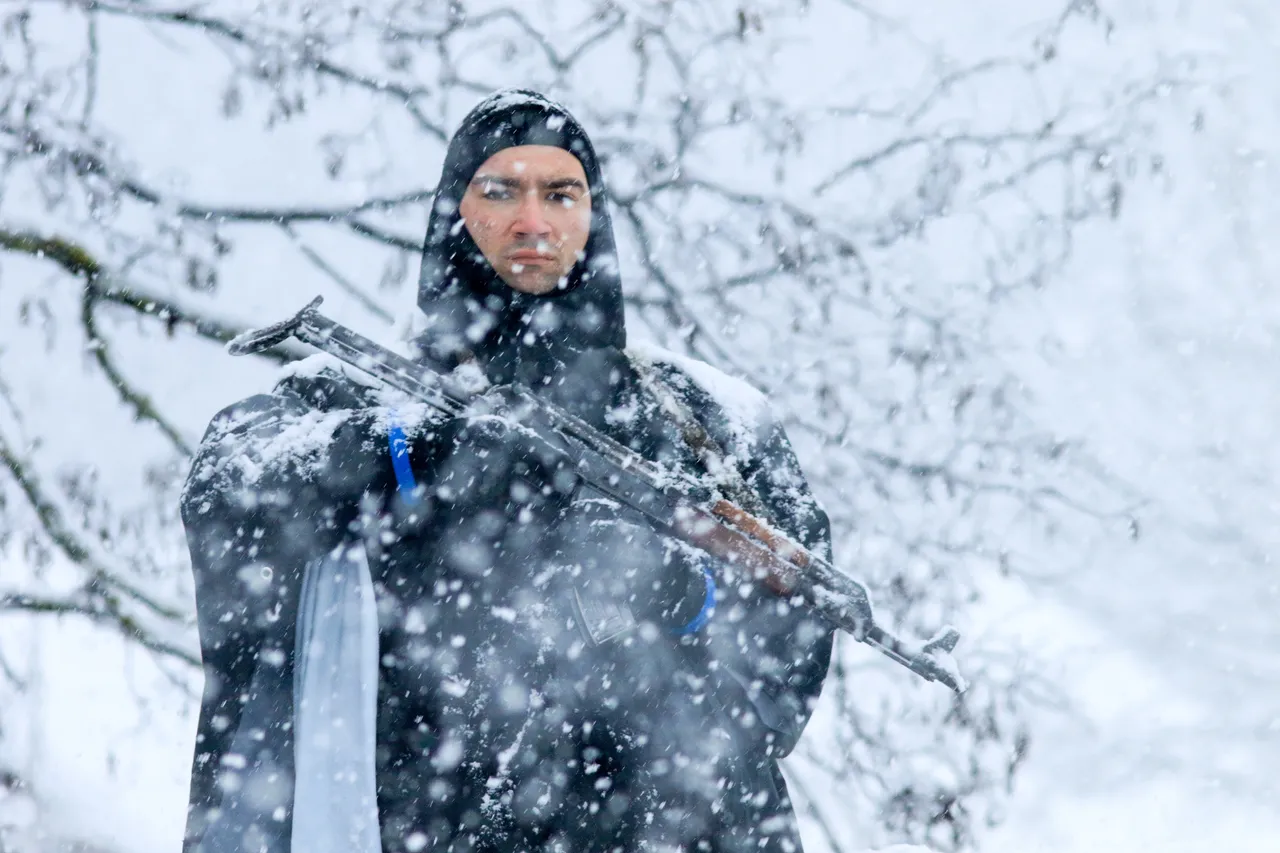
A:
{"x":674,"y":502}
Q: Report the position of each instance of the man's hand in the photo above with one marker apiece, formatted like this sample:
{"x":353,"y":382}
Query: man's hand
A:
{"x":490,"y":462}
{"x":617,"y":554}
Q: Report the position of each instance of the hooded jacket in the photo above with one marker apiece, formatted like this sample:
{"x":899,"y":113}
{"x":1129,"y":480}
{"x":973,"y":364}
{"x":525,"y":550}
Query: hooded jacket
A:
{"x":499,"y":725}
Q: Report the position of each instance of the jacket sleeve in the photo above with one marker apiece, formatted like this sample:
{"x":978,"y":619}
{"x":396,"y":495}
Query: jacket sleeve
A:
{"x":774,"y":652}
{"x":275,"y":484}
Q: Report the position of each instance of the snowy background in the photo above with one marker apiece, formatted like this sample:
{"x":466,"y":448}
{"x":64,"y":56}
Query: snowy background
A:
{"x":1063,"y":205}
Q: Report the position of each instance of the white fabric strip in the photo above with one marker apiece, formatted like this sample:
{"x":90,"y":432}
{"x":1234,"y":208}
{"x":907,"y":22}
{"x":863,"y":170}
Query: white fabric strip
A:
{"x":335,"y":808}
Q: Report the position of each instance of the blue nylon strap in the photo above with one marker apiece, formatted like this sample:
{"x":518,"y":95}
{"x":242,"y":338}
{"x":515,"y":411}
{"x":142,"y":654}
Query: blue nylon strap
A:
{"x":399,"y":446}
{"x":708,"y":606}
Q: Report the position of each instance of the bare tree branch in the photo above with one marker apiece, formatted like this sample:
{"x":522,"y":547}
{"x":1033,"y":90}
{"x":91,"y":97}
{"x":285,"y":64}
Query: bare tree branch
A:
{"x":103,"y":611}
{"x":300,"y":214}
{"x":677,"y":313}
{"x":935,"y":142}
{"x":345,"y":284}
{"x":395,"y":241}
{"x":80,"y":263}
{"x":814,"y":812}
{"x":91,"y":71}
{"x":405,"y":96}
{"x":143,"y":408}
{"x":88,"y":163}
{"x":69,"y":543}
{"x":843,"y":245}
{"x":17,"y":681}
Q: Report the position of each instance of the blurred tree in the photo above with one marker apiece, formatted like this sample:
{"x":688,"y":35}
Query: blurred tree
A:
{"x":814,"y":196}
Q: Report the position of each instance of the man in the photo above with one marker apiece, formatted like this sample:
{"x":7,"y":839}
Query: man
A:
{"x":417,"y":634}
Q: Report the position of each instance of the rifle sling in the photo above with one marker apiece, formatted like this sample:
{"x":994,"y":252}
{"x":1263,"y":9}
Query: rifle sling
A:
{"x":720,"y":467}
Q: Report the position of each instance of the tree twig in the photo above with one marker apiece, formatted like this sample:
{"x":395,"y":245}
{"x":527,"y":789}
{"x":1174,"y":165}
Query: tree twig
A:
{"x":106,"y":613}
{"x":143,"y":408}
{"x":69,"y":544}
{"x":88,"y":163}
{"x":345,"y":284}
{"x":78,"y":262}
{"x":307,"y":57}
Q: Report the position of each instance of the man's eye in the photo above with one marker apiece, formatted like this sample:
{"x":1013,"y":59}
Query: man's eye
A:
{"x":563,"y":198}
{"x":493,"y":193}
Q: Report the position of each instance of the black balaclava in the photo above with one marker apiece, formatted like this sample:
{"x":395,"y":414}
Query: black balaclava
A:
{"x":471,"y":312}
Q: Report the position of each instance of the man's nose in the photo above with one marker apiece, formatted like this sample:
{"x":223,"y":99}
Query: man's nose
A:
{"x":530,"y":217}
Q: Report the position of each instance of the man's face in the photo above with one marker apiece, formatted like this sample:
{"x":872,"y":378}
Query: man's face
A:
{"x":529,"y":211}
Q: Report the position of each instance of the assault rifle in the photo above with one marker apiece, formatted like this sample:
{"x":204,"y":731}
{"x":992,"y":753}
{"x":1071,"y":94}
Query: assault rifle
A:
{"x":673,"y":501}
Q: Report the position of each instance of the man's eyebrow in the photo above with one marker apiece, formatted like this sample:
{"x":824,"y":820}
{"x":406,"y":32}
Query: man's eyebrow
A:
{"x":516,"y":183}
{"x":564,"y":184}
{"x":496,"y":179}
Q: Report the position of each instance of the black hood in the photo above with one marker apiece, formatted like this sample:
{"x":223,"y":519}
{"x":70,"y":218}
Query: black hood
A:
{"x":471,"y":312}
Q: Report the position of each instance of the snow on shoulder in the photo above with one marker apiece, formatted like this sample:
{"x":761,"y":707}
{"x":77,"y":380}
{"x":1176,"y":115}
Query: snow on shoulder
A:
{"x":745,"y":406}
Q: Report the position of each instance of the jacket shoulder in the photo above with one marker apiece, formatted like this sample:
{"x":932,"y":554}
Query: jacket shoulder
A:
{"x":739,"y":416}
{"x":286,"y":432}
{"x":739,"y":407}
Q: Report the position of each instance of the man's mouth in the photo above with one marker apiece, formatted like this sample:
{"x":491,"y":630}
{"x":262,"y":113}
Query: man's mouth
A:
{"x":526,"y":256}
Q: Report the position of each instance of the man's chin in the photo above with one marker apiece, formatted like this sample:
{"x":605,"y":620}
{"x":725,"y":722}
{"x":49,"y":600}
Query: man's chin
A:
{"x":532,"y":282}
